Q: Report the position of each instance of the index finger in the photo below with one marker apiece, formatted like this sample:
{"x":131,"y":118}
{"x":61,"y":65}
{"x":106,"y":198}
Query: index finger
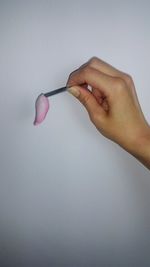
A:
{"x":92,"y":77}
{"x":105,"y":67}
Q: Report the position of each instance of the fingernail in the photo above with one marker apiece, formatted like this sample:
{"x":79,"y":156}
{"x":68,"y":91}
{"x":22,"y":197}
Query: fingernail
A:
{"x":74,"y":90}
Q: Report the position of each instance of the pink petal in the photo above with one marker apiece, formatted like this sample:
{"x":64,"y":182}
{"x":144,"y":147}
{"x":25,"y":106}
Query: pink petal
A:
{"x":41,"y":107}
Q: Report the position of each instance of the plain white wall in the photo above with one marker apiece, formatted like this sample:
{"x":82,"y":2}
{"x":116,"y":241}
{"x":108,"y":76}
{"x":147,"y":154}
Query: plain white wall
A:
{"x":68,"y":196}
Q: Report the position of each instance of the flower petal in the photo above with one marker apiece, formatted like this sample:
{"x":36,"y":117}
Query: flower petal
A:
{"x":41,"y":108}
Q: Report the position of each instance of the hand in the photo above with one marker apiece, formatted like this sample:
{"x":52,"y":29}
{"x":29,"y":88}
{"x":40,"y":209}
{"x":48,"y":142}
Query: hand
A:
{"x":112,"y":102}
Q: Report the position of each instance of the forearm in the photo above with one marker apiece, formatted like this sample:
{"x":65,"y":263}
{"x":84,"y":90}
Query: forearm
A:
{"x":141,"y":148}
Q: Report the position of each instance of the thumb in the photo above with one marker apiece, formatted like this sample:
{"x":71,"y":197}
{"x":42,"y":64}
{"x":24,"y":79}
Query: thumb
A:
{"x":87,"y":99}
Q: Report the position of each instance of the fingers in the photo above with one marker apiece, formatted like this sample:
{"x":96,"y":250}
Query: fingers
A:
{"x":88,"y":100}
{"x":93,"y":77}
{"x":104,"y":80}
{"x":106,"y":68}
{"x":98,"y":95}
{"x":101,"y":99}
{"x":102,"y":66}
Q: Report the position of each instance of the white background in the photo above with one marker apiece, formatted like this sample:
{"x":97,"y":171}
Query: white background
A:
{"x":68,"y":196}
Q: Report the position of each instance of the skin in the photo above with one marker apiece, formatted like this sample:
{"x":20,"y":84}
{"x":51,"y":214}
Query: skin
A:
{"x":113,"y":106}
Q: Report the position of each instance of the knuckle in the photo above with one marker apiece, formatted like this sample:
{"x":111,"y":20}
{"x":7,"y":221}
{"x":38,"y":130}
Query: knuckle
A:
{"x":93,"y":61}
{"x":128,"y":79}
{"x":86,"y":71}
{"x":72,"y":73}
{"x":119,"y":84}
{"x":70,"y":77}
{"x":70,"y":82}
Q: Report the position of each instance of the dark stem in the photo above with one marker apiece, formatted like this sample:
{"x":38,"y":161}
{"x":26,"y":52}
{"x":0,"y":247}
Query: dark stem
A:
{"x":57,"y":91}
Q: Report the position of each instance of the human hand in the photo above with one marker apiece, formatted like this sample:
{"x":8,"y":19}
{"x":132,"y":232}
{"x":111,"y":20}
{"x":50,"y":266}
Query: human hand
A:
{"x":112,"y":103}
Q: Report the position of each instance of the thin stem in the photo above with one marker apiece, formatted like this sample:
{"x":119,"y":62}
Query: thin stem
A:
{"x":57,"y":91}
